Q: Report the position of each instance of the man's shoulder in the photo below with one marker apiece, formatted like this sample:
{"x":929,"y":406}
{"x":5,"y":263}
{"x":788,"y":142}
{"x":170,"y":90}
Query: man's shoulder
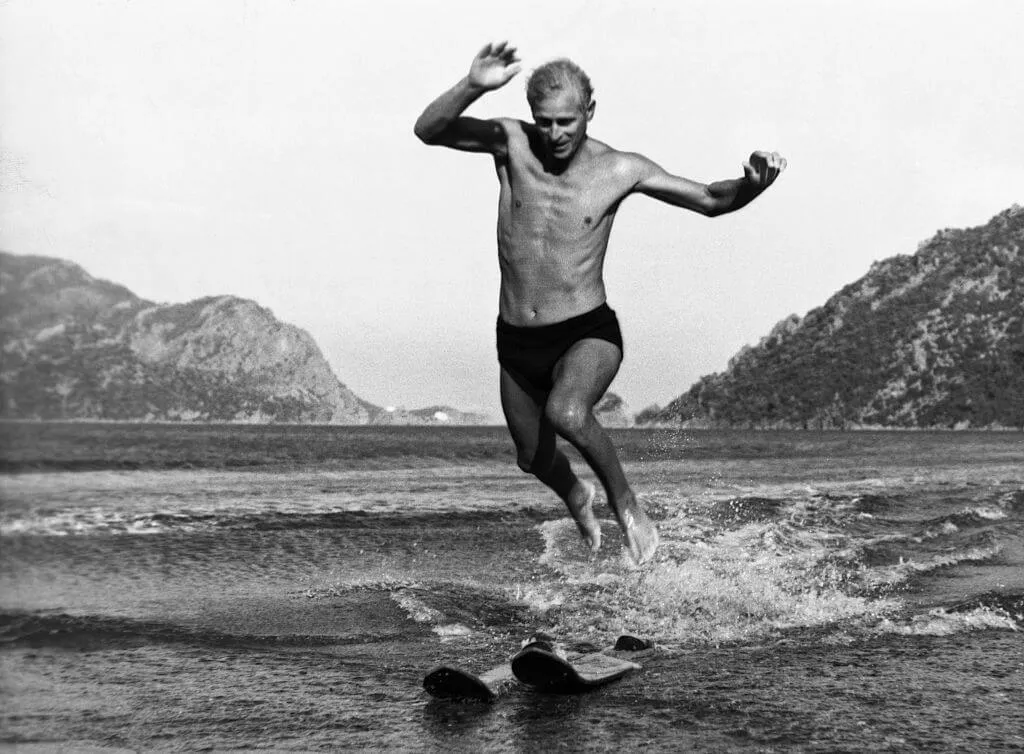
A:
{"x":616,"y":160}
{"x":517,"y":132}
{"x":512,"y":126}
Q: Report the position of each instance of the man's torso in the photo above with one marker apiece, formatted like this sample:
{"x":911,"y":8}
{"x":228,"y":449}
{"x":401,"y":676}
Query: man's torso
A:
{"x":553,"y":228}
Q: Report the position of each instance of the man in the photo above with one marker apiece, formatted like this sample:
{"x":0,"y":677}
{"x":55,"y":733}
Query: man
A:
{"x":559,"y":345}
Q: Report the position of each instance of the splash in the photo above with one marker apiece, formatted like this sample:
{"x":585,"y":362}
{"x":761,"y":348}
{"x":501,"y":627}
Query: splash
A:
{"x":775,"y":558}
{"x":704,"y":585}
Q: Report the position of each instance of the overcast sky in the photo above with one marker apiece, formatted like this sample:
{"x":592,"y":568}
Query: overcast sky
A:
{"x":265,"y":150}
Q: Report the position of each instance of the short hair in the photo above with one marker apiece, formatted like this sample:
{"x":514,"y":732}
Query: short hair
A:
{"x":557,"y":75}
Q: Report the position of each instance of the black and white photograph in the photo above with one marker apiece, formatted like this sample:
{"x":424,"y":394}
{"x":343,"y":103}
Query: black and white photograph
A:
{"x":594,"y":376}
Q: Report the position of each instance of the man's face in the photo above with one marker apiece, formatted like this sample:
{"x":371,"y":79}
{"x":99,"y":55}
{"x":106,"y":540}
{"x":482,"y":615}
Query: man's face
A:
{"x":562,"y":120}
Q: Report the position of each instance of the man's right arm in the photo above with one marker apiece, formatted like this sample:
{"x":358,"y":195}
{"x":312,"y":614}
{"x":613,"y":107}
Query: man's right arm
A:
{"x":442,"y":122}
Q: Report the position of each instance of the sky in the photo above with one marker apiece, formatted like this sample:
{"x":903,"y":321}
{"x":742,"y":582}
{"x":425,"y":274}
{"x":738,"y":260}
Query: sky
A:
{"x":265,"y":150}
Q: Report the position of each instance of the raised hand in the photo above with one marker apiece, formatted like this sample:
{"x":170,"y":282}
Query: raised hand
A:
{"x":763,"y":168}
{"x":494,"y":66}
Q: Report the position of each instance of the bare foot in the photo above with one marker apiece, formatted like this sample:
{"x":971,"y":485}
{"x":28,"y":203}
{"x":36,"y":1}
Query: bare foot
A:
{"x":641,"y":535}
{"x":581,"y":506}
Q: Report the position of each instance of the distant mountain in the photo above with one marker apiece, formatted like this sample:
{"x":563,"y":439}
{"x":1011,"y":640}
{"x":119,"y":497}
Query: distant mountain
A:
{"x":434,"y":415}
{"x":935,"y":339}
{"x":75,"y":347}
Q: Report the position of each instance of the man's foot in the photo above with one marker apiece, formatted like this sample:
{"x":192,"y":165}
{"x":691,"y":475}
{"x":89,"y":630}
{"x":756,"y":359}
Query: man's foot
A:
{"x":581,"y":506}
{"x":641,"y":535}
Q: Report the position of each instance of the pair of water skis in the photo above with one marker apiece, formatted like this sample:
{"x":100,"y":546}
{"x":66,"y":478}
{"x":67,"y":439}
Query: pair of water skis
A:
{"x":543,"y":665}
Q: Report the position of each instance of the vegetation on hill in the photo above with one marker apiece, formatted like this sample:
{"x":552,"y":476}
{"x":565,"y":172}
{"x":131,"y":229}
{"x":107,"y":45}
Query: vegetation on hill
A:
{"x":75,"y":347}
{"x":935,"y":339}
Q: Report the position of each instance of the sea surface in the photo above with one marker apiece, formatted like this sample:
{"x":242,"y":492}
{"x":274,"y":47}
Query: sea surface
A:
{"x":218,"y":588}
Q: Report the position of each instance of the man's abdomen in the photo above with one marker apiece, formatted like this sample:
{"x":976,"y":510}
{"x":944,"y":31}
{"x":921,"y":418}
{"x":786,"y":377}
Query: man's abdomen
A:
{"x":542,"y":286}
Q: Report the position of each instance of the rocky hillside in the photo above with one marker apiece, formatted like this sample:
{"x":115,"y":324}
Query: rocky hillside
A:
{"x":935,"y":339}
{"x":75,"y":347}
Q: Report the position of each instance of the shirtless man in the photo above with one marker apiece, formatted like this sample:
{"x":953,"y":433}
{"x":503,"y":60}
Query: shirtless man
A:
{"x":559,"y":345}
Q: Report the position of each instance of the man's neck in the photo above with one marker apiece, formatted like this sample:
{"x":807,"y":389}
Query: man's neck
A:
{"x":556,"y":166}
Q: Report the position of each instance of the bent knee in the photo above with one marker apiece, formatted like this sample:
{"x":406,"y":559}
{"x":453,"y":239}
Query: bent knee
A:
{"x":568,"y":417}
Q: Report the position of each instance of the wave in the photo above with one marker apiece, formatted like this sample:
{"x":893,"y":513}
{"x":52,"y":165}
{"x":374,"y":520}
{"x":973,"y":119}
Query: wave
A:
{"x":890,"y":578}
{"x":969,"y":518}
{"x":102,"y":521}
{"x":1010,"y":604}
{"x":732,"y":567}
{"x":662,"y":609}
{"x":83,"y":631}
{"x":987,"y":611}
{"x":358,"y":610}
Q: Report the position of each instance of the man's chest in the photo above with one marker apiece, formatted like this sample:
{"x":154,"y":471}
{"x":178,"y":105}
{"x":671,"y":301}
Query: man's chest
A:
{"x":580,"y":197}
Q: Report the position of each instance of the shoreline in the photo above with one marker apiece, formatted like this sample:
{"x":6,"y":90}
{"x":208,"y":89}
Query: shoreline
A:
{"x":678,"y":426}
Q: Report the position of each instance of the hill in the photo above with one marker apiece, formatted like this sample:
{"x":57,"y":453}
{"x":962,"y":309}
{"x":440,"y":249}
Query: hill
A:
{"x":934,"y":339}
{"x":75,"y":347}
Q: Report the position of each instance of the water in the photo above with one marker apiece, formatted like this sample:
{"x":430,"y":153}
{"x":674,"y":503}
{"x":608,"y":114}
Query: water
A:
{"x":171,"y":588}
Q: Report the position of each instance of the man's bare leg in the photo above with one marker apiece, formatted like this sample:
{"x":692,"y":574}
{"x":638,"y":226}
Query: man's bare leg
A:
{"x":538,"y":454}
{"x":581,"y":377}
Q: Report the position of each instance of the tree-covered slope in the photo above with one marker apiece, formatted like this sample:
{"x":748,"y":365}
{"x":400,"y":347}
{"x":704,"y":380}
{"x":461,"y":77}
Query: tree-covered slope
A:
{"x":935,"y":339}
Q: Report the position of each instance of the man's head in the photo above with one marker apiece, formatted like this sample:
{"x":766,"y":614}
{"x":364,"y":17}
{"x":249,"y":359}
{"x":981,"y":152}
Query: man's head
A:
{"x":561,"y":99}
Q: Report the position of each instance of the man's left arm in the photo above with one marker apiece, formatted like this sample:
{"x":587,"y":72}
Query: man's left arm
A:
{"x":712,"y":199}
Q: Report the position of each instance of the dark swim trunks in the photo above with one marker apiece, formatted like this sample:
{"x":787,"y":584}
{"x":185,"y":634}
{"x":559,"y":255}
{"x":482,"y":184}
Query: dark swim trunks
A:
{"x":529,"y":354}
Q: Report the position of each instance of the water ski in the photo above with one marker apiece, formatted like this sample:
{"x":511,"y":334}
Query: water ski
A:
{"x":550,"y":671}
{"x":448,"y":682}
{"x":451,"y":682}
{"x":542,"y":666}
